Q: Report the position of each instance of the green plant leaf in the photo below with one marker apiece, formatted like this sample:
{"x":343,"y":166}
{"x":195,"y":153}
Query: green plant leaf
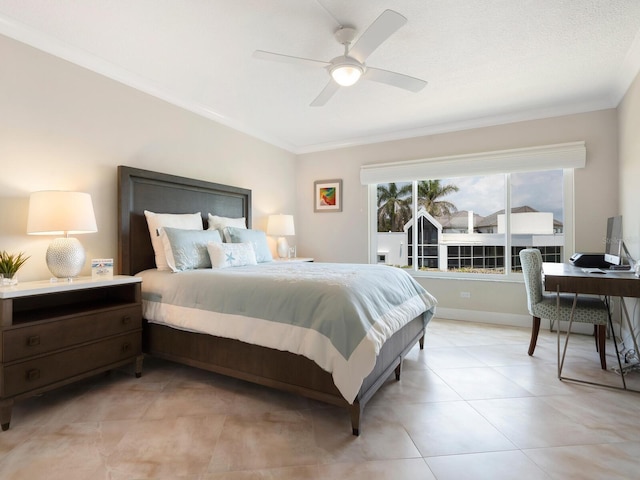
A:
{"x":10,"y":263}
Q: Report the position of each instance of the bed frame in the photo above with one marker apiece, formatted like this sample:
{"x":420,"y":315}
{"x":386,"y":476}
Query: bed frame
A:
{"x":140,"y":190}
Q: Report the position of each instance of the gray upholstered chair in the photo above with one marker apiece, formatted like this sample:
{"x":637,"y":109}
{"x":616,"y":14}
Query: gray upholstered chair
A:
{"x":589,"y":309}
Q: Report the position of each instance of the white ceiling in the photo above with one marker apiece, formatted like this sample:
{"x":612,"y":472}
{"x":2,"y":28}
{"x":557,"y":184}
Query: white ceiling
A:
{"x":487,"y":61}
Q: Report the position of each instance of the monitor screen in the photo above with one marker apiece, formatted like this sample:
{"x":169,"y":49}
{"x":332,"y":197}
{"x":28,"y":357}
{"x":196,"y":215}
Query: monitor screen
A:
{"x":613,"y":248}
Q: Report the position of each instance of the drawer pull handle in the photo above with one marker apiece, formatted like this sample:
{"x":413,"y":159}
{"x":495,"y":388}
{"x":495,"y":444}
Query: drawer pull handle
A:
{"x":126,"y":347}
{"x":33,"y":374}
{"x":33,"y":340}
{"x":126,"y":320}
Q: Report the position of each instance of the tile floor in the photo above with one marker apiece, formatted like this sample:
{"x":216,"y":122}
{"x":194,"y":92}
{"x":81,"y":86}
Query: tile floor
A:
{"x":472,"y":405}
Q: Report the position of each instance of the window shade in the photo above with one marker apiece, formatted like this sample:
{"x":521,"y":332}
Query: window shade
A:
{"x":548,"y":157}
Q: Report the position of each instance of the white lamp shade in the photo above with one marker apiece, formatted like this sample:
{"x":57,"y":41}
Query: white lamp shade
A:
{"x":280,"y":225}
{"x":57,"y":212}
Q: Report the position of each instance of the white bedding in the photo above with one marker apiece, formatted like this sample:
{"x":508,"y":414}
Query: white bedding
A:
{"x":338,"y":315}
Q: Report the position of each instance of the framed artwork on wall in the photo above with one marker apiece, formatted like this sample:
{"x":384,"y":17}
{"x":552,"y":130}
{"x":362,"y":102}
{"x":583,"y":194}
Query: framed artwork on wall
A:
{"x":327,"y":195}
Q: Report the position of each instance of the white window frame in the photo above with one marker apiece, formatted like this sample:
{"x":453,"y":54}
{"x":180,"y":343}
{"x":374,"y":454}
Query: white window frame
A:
{"x":566,"y":157}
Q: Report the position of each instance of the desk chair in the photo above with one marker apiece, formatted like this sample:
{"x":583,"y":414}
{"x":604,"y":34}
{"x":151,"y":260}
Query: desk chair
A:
{"x":588,"y":309}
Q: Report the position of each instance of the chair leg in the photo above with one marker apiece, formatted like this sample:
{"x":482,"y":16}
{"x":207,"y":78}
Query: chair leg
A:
{"x":535,"y":328}
{"x":601,"y":337}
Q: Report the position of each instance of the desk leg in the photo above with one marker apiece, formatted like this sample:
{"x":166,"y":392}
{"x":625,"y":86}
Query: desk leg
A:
{"x":629,"y":326}
{"x":558,"y":329}
{"x":566,"y":340}
{"x":615,"y":342}
{"x":561,"y":360}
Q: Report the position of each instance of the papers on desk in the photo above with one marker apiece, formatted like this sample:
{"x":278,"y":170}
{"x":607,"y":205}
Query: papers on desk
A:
{"x":597,"y":271}
{"x":615,"y":273}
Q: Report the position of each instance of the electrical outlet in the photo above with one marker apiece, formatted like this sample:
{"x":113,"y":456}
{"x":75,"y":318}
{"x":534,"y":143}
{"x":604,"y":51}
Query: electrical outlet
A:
{"x":465,"y":294}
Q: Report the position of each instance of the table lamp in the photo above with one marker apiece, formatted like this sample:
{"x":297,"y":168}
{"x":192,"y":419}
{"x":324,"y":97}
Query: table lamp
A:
{"x":62,"y":213}
{"x":281,"y":226}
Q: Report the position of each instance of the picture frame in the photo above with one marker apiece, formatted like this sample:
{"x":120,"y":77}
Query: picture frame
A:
{"x":102,"y":268}
{"x":327,"y":195}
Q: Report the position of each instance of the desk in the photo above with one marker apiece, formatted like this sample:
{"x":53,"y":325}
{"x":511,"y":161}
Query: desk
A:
{"x":566,"y":278}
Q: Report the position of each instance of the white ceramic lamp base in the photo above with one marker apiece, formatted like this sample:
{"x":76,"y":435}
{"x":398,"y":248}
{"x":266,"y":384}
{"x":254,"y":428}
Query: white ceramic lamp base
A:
{"x":283,"y":247}
{"x":65,"y":257}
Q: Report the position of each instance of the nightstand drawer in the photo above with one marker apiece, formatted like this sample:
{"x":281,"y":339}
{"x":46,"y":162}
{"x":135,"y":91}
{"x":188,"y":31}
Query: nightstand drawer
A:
{"x":32,"y":374}
{"x":27,"y":341}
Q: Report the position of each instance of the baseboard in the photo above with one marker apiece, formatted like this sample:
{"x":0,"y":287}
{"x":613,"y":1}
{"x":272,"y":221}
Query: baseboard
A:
{"x":506,"y":319}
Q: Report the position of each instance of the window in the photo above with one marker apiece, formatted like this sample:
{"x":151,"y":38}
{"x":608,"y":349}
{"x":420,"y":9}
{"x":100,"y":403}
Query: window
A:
{"x":475,"y":223}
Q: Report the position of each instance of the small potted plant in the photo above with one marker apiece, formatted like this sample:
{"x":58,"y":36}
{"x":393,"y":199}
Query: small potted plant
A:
{"x":9,"y":266}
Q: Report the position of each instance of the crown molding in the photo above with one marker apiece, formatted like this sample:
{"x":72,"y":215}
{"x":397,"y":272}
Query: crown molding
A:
{"x":489,"y":121}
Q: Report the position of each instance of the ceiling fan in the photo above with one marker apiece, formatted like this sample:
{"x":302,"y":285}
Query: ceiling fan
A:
{"x":347,"y":69}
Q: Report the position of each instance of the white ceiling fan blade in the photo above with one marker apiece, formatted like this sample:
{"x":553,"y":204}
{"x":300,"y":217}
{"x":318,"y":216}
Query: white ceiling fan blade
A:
{"x":278,"y":57}
{"x":382,"y":28}
{"x":394,"y":79}
{"x":326,"y":93}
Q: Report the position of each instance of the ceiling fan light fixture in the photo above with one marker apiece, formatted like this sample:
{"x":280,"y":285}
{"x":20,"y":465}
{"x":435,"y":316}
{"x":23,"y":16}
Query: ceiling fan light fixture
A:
{"x":346,"y":72}
{"x":348,"y":68}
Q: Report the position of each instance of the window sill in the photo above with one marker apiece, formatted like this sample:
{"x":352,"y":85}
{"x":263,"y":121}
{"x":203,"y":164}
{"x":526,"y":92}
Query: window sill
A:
{"x":472,"y":277}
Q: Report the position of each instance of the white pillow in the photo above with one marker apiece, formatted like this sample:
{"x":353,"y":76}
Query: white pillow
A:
{"x":187,"y":249}
{"x":220,"y":223}
{"x":225,"y":255}
{"x":155,"y":221}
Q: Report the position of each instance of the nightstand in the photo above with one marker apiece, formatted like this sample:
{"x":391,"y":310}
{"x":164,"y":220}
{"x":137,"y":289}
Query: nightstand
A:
{"x":55,"y":333}
{"x":294,"y":259}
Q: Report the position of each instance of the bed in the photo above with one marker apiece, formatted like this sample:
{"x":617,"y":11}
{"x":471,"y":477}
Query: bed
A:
{"x":275,"y":366}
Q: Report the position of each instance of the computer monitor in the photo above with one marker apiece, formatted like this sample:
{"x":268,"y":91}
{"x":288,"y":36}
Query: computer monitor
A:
{"x":614,"y":247}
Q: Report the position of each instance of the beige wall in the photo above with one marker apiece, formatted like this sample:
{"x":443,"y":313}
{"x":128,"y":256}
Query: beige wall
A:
{"x":629,"y":127}
{"x":65,"y":128}
{"x":629,"y":121}
{"x":343,"y":237}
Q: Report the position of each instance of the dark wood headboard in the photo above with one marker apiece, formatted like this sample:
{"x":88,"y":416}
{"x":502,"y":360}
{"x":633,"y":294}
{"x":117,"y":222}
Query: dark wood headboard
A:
{"x":140,"y":190}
